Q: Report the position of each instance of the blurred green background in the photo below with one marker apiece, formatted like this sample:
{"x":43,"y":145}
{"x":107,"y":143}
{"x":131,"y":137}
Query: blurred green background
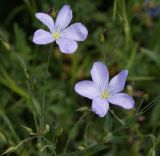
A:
{"x":123,"y":35}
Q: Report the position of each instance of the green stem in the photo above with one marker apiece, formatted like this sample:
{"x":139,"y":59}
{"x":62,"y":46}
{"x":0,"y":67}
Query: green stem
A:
{"x":143,"y":78}
{"x":25,"y":140}
{"x":44,"y":95}
{"x":54,"y":152}
{"x":71,"y":133}
{"x":114,"y":10}
{"x":50,"y":144}
{"x":44,"y":84}
{"x":32,"y":104}
{"x":121,"y":121}
{"x":126,"y":22}
{"x":132,"y":56}
{"x":86,"y":130}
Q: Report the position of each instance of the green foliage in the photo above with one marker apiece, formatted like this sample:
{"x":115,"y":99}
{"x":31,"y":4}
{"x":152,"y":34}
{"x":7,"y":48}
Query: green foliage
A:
{"x":122,"y":35}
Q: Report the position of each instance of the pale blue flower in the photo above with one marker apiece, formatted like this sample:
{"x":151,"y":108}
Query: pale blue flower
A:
{"x":102,"y":92}
{"x":153,"y":12}
{"x":65,"y":36}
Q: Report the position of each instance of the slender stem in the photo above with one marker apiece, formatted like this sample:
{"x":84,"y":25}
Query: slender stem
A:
{"x":31,"y":104}
{"x":9,"y":124}
{"x":50,"y":144}
{"x":44,"y":92}
{"x":86,"y":130}
{"x":147,"y":107}
{"x":55,"y":142}
{"x":121,"y":121}
{"x":132,"y":57}
{"x":71,"y":133}
{"x":26,"y":140}
{"x":54,"y":152}
{"x":126,"y":24}
{"x":143,"y":78}
{"x":114,"y":10}
{"x":139,"y":106}
{"x":44,"y":95}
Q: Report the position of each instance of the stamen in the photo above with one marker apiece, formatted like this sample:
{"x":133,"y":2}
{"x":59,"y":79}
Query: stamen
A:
{"x":56,"y":35}
{"x":105,"y":94}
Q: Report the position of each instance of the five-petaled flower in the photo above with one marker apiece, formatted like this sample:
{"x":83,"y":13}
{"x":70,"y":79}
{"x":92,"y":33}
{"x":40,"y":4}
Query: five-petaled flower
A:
{"x":65,"y":36}
{"x":102,"y":92}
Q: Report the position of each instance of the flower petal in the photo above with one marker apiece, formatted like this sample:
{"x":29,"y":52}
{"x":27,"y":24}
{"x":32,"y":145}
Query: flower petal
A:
{"x":123,"y":100}
{"x":76,"y":32}
{"x":117,"y":83}
{"x":42,"y":37}
{"x":100,"y":106}
{"x":46,"y":20}
{"x":64,"y":18}
{"x":67,"y":46}
{"x":100,"y":75}
{"x":87,"y":89}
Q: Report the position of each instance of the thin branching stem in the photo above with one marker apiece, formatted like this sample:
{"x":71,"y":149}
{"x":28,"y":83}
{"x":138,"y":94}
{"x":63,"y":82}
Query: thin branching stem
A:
{"x":147,"y":107}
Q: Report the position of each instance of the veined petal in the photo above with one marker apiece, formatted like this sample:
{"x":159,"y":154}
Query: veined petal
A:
{"x":100,"y":75}
{"x":117,"y":83}
{"x":42,"y":37}
{"x":67,"y":46}
{"x":100,"y":106}
{"x":64,"y":18}
{"x":123,"y":100}
{"x":87,"y":89}
{"x":76,"y":32}
{"x":46,"y":20}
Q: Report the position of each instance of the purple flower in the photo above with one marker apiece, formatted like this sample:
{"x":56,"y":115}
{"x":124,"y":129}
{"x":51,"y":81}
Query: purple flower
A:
{"x":65,"y":36}
{"x":153,"y":12}
{"x":102,"y":92}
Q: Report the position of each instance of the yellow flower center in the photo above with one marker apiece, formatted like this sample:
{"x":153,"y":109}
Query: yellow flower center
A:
{"x":105,"y":94}
{"x":56,"y":35}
